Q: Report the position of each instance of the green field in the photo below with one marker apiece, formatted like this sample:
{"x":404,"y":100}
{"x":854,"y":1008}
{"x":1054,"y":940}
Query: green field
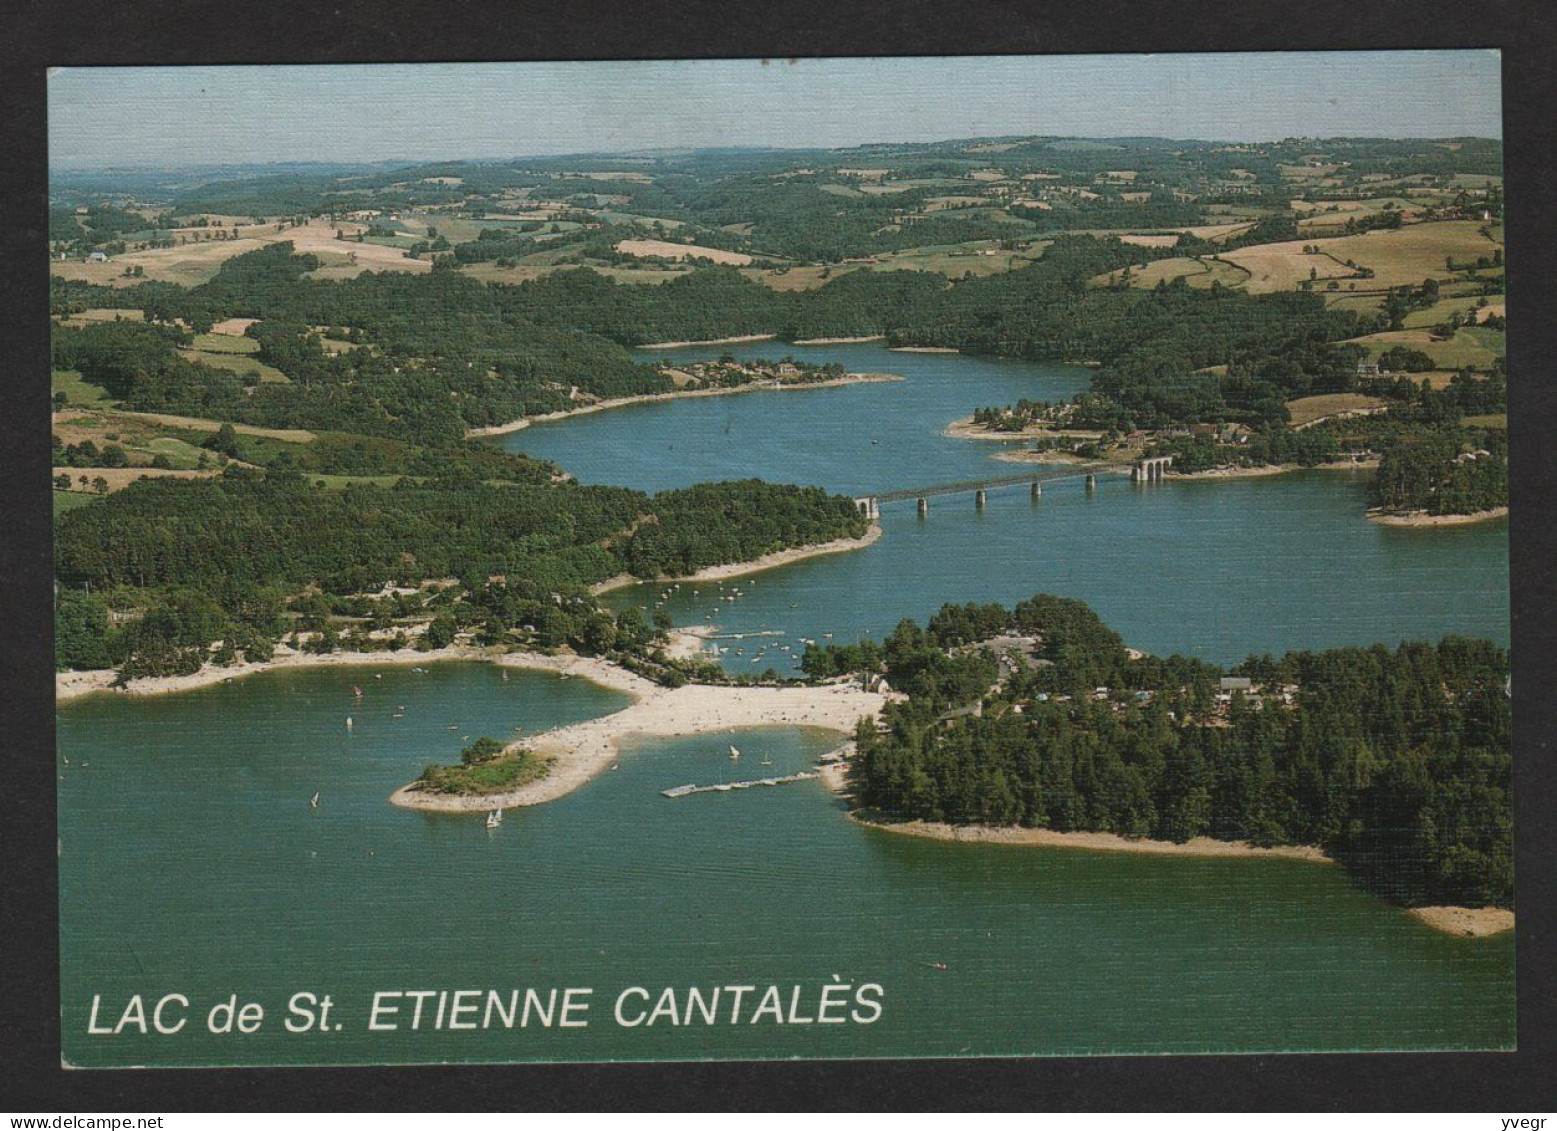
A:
{"x":225,"y":343}
{"x":77,"y":391}
{"x":1473,"y":346}
{"x":1442,"y":310}
{"x":235,"y":363}
{"x":1200,"y":273}
{"x":183,"y":455}
{"x":65,"y":501}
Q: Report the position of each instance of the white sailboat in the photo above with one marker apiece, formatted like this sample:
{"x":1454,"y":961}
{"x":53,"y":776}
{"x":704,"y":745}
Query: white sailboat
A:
{"x":735,"y":754}
{"x":494,"y":818}
{"x":313,"y":802}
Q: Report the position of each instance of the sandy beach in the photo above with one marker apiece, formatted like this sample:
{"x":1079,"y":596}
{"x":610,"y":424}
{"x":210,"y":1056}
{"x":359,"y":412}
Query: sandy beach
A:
{"x":1422,"y":518}
{"x":755,"y":565}
{"x":1272,"y":469}
{"x":1467,"y":922}
{"x":710,"y":342}
{"x":1049,"y":459}
{"x":1098,"y":842}
{"x":581,"y":751}
{"x":835,"y":777}
{"x":838,"y":341}
{"x":923,"y":349}
{"x":681,"y":394}
{"x":965,"y":429}
{"x":71,"y":685}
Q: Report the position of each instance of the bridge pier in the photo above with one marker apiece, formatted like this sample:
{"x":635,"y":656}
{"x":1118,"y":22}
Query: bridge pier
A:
{"x":924,"y":508}
{"x":980,"y":498}
{"x":1151,"y":470}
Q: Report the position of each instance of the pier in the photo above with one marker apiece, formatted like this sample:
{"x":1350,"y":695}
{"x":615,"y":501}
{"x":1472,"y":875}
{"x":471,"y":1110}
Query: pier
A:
{"x":725,"y":787}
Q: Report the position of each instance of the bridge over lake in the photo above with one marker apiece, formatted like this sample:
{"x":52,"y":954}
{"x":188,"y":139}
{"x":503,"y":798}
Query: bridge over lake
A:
{"x":1142,"y":471}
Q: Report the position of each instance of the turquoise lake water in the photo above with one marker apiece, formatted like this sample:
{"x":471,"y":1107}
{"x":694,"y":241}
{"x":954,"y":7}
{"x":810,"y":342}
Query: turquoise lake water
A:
{"x":192,"y":863}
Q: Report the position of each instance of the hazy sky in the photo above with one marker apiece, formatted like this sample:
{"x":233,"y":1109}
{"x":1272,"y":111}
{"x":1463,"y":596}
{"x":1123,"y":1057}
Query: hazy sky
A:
{"x":216,"y":115}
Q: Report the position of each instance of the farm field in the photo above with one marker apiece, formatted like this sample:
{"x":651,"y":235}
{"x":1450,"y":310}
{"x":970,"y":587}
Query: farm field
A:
{"x":801,"y":278}
{"x":1199,"y":273}
{"x":1307,"y":410}
{"x":524,"y":272}
{"x":222,"y":342}
{"x":77,"y":391}
{"x":235,"y":362}
{"x":118,"y":478}
{"x":65,"y":501}
{"x":665,"y":250}
{"x":200,"y":424}
{"x":1442,"y":310}
{"x":1473,"y":346}
{"x":1398,"y":257}
{"x":956,"y":260}
{"x":195,"y":263}
{"x":103,"y":314}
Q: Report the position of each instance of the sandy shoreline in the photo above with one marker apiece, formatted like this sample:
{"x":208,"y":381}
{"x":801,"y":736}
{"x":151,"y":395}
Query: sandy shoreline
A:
{"x":1467,"y":922}
{"x":965,"y":429}
{"x":755,"y":565}
{"x":709,"y":342}
{"x":1423,"y":519}
{"x":1100,"y":842}
{"x":581,"y":751}
{"x":72,"y":685}
{"x":680,"y":394}
{"x":1272,"y":469}
{"x":838,"y":341}
{"x":923,"y":349}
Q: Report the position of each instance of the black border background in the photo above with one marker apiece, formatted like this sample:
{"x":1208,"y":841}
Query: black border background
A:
{"x":38,"y":34}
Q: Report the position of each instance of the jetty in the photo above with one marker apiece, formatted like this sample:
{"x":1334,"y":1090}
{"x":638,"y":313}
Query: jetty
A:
{"x":725,"y":787}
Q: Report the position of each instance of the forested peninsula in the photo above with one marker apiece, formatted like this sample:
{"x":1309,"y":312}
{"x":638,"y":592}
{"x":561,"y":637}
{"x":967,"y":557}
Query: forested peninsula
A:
{"x":1395,"y":762}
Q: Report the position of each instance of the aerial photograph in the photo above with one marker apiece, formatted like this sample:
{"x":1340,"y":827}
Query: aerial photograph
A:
{"x":781,"y":558}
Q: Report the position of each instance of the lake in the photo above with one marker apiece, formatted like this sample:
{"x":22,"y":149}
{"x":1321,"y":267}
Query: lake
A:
{"x":191,"y":861}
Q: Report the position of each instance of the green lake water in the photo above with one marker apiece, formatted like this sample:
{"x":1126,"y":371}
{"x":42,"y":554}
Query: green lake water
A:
{"x":192,"y":863}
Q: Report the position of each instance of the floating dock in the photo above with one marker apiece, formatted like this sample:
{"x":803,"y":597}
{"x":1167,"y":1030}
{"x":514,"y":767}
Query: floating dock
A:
{"x":725,"y":787}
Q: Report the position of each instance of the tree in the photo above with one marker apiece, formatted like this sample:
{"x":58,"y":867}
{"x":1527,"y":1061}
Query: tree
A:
{"x":224,"y":441}
{"x":484,"y":749}
{"x":440,"y":633}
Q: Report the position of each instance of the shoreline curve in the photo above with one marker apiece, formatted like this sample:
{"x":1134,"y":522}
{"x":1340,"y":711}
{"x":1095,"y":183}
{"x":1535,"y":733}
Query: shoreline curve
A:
{"x":677,"y":395}
{"x":582,"y":750}
{"x":761,"y":564}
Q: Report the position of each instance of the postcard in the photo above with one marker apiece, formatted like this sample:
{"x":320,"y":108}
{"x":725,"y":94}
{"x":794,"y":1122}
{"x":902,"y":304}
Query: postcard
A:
{"x":766,"y":559}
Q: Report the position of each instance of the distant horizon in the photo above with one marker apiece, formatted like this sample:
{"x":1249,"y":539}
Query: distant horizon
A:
{"x":777,"y":149}
{"x":104,"y":118}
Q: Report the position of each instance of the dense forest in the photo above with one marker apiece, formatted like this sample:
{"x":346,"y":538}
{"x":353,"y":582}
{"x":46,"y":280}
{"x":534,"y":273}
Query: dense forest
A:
{"x":1396,"y":762}
{"x":241,"y":547}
